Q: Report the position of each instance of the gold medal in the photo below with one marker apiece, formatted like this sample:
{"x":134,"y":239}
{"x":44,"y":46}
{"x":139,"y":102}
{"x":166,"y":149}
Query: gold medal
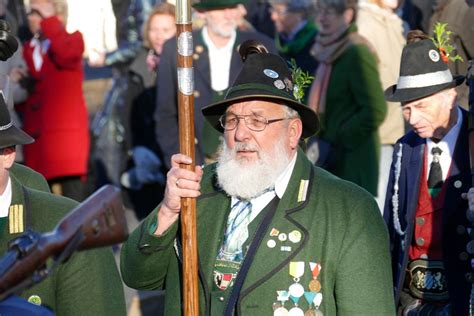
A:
{"x":314,"y":285}
{"x":310,"y":312}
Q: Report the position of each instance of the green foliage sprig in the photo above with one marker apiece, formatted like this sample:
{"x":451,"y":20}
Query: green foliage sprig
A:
{"x":301,"y":80}
{"x":441,"y":39}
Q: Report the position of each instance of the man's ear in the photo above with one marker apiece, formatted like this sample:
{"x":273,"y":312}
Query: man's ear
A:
{"x":8,"y":157}
{"x":348,"y":15}
{"x":295,"y":129}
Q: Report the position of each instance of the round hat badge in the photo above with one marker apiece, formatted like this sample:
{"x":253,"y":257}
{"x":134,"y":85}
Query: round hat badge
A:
{"x":279,"y":84}
{"x":270,"y":73}
{"x":434,"y":55}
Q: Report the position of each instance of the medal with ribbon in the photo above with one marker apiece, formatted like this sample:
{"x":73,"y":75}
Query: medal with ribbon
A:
{"x":295,"y":311}
{"x":279,"y":306}
{"x":296,"y":271}
{"x":314,"y":284}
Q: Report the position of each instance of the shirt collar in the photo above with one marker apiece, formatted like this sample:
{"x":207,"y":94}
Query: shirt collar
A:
{"x":6,"y":199}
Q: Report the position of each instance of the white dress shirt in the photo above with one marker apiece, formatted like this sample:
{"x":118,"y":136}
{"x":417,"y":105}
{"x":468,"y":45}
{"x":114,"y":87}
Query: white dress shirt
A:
{"x":6,"y":199}
{"x":447,"y":145}
{"x":219,"y":61}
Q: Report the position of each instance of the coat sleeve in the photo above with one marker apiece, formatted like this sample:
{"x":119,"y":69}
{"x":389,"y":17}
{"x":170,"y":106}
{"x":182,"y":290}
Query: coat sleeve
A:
{"x":166,"y":112}
{"x":89,"y":284}
{"x":366,"y":92}
{"x":363,"y":272}
{"x":145,"y":258}
{"x":66,"y":48}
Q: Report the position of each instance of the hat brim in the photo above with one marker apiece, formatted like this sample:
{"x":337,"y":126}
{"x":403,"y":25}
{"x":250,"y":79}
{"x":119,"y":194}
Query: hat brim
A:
{"x":310,"y":119}
{"x":14,"y":136}
{"x":404,"y":95}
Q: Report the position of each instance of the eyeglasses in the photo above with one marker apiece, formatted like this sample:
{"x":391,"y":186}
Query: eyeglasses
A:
{"x":254,"y":122}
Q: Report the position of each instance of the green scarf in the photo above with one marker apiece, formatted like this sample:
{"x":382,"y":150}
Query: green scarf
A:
{"x":299,"y":42}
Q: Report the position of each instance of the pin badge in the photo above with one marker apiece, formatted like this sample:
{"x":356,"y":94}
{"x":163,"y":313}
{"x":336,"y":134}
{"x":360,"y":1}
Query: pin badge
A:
{"x":285,"y":248}
{"x":282,"y":237}
{"x":274,"y":232}
{"x":271,"y":243}
{"x":288,"y":83}
{"x":294,"y":236}
{"x":279,"y":84}
{"x":457,"y":184}
{"x":270,"y":73}
{"x":434,"y":55}
{"x":34,"y":299}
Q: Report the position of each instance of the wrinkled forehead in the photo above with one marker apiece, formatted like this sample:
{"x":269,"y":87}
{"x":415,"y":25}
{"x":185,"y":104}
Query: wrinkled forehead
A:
{"x":260,"y":107}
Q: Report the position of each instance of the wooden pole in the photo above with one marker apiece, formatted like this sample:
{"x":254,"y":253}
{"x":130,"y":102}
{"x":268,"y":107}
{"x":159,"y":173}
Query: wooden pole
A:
{"x":186,"y":144}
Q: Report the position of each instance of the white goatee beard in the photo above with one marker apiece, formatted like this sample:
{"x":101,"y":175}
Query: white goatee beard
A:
{"x":247,"y":179}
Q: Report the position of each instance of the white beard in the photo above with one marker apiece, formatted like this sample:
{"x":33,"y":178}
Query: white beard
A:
{"x":224,"y":30}
{"x":247,"y":179}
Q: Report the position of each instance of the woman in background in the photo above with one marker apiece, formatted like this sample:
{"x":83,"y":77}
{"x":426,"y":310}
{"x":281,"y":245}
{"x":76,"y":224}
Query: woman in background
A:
{"x":144,"y":178}
{"x":347,"y":94}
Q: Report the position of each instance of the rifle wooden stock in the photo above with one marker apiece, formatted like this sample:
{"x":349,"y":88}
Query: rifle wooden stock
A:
{"x":186,"y":144}
{"x":98,"y":221}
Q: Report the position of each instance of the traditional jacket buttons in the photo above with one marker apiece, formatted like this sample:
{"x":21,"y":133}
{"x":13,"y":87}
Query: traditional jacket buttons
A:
{"x":463,"y":256}
{"x":420,"y":221}
{"x":420,"y":241}
{"x":424,"y":256}
{"x":461,"y":230}
{"x":221,"y":299}
{"x":470,"y":247}
{"x":469,"y":277}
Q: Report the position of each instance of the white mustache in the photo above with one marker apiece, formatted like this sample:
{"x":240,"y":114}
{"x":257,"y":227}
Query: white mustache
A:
{"x":245,"y":147}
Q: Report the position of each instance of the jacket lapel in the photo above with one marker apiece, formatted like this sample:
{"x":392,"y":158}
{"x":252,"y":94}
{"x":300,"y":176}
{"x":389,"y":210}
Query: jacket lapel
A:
{"x":412,"y":177}
{"x":293,"y":200}
{"x":17,"y":219}
{"x":211,"y":230}
{"x":458,"y":181}
{"x":201,"y":61}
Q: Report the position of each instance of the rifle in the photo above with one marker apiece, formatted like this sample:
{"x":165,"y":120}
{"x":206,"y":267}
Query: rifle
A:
{"x":97,"y":222}
{"x":184,"y":38}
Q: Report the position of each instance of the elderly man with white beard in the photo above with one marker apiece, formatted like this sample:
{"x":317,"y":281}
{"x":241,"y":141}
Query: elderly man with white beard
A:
{"x":276,"y":235}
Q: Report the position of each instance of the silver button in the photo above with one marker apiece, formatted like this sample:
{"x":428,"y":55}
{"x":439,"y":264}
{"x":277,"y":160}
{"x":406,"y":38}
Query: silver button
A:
{"x":420,"y":241}
{"x":461,"y":230}
{"x":420,"y":221}
{"x":424,"y":256}
{"x":221,"y":298}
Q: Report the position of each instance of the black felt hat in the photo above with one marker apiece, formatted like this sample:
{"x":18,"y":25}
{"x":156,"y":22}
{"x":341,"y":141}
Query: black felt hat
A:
{"x":422,"y":73}
{"x":263,"y":76}
{"x":9,"y":134}
{"x":216,"y":4}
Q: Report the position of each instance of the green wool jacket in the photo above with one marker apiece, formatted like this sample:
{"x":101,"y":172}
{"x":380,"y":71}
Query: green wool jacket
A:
{"x":355,"y":107}
{"x":340,"y":226}
{"x":88,"y":283}
{"x":29,"y":178}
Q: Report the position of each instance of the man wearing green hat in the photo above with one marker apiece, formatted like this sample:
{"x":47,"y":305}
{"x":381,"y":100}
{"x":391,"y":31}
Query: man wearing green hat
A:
{"x":216,"y":63}
{"x":88,"y":283}
{"x":275,"y":234}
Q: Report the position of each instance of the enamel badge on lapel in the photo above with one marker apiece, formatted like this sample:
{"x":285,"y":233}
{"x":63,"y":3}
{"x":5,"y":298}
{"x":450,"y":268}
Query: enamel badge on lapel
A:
{"x":303,"y":190}
{"x":15,"y":219}
{"x":34,"y":299}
